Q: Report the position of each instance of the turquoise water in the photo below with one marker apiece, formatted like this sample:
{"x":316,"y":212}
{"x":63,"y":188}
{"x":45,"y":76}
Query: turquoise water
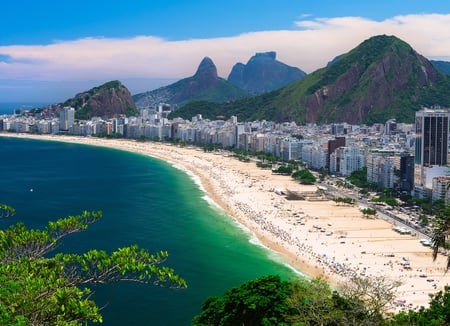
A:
{"x":144,"y":201}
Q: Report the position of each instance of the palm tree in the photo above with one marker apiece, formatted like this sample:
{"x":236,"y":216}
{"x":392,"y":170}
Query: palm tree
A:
{"x":441,"y":230}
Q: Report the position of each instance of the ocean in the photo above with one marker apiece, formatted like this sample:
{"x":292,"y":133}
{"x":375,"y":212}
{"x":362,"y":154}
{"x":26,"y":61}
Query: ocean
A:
{"x":10,"y":107}
{"x":144,"y":201}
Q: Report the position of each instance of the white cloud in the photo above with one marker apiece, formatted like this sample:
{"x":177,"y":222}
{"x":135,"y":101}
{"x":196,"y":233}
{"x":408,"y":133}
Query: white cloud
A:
{"x":311,"y":46}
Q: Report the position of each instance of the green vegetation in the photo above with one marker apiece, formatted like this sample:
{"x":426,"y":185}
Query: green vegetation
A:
{"x":259,"y":302}
{"x":386,"y":199}
{"x":323,"y":172}
{"x":241,"y":155}
{"x":84,"y":113}
{"x":359,"y":179}
{"x":442,"y":66}
{"x":112,"y":135}
{"x":356,"y":83}
{"x":6,"y":211}
{"x":270,"y":301}
{"x":441,"y":228}
{"x":437,"y":314}
{"x":97,"y":100}
{"x":284,"y":169}
{"x":344,"y":200}
{"x":362,"y":301}
{"x":113,"y":84}
{"x":40,"y":289}
{"x":304,"y":176}
{"x":313,"y":302}
{"x":264,"y":165}
{"x":344,"y":184}
{"x":131,"y":111}
{"x":369,"y":212}
{"x":267,"y":157}
{"x":196,"y":90}
{"x":426,"y":206}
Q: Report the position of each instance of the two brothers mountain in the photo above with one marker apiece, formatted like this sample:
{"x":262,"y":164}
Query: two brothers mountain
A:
{"x":382,"y":78}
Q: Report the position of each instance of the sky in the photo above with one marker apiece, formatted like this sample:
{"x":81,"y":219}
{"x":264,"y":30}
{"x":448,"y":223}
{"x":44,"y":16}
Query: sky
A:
{"x":51,"y":50}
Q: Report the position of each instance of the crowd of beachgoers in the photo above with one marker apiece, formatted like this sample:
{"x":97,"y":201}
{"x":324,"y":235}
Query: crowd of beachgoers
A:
{"x":318,"y":238}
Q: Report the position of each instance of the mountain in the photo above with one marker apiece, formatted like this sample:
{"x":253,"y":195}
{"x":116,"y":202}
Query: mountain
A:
{"x":204,"y":85}
{"x":380,"y":79}
{"x":442,"y":66}
{"x":263,"y":73}
{"x":108,"y":100}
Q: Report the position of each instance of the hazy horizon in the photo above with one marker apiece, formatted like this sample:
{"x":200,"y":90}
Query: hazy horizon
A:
{"x":47,"y":57}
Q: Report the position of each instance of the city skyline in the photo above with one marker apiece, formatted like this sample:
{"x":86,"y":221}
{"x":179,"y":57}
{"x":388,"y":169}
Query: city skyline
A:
{"x":50,"y":52}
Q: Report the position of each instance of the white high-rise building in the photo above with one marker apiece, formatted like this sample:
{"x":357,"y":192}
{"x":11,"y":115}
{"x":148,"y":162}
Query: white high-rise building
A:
{"x":345,"y":160}
{"x":441,"y":189}
{"x":66,"y":119}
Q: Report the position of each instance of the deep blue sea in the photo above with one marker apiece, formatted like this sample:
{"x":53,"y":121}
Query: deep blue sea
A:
{"x":144,"y":201}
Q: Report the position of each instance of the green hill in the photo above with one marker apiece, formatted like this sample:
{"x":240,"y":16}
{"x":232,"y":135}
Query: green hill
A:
{"x":108,"y":100}
{"x":381,"y":78}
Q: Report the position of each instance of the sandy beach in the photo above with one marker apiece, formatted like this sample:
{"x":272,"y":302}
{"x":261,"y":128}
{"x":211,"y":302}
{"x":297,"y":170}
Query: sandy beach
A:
{"x":320,"y":238}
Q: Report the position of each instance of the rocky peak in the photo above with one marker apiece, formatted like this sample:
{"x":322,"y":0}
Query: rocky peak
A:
{"x":108,"y":100}
{"x":263,"y":73}
{"x":206,"y":71}
{"x":270,"y":55}
{"x":204,"y":85}
{"x":368,"y":82}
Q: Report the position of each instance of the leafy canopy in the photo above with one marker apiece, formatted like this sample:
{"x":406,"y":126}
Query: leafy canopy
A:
{"x":38,"y":290}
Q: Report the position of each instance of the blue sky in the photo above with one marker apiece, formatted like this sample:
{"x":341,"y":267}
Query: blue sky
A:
{"x":50,"y":50}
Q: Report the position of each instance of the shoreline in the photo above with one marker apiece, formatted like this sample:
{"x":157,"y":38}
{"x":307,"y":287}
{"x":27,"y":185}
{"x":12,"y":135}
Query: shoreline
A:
{"x":317,"y":238}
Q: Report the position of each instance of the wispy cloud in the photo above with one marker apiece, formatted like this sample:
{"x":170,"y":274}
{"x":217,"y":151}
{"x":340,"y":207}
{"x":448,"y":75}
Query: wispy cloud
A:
{"x":309,"y":47}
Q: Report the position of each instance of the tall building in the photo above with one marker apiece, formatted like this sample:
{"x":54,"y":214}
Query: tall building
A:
{"x":380,"y":169}
{"x":441,"y":189}
{"x":431,"y":148}
{"x":66,"y":119}
{"x":390,"y":127}
{"x":406,"y":172}
{"x":333,"y":144}
{"x":345,"y":160}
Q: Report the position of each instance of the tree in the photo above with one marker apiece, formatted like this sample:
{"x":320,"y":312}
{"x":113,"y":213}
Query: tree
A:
{"x":368,"y":212}
{"x":38,"y":290}
{"x":312,"y":302}
{"x":283,"y":169}
{"x":440,"y":232}
{"x":345,"y":200}
{"x":377,"y":293}
{"x":304,"y":176}
{"x":6,"y":211}
{"x":257,"y":302}
{"x":437,"y":314}
{"x":270,"y":301}
{"x":323,"y":172}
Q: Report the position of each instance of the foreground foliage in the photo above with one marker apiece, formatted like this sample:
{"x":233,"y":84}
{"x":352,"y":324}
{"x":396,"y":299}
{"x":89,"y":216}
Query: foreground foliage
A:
{"x":437,"y":314}
{"x":270,"y":301}
{"x":38,"y":290}
{"x":259,"y":302}
{"x":363,"y":301}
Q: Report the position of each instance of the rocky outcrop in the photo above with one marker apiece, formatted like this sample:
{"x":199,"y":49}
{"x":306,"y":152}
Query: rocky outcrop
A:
{"x":263,"y":73}
{"x":107,"y":101}
{"x":382,"y":78}
{"x":204,"y":85}
{"x":396,"y":76}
